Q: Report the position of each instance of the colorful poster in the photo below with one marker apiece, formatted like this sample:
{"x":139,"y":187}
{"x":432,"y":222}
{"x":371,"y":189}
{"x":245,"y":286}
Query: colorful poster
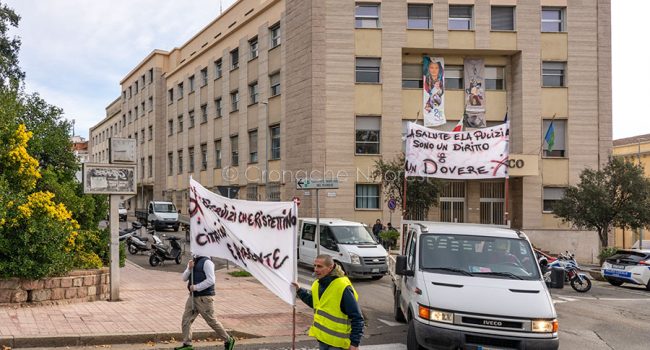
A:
{"x":474,"y":93}
{"x":475,"y":154}
{"x":433,"y":91}
{"x":259,"y":237}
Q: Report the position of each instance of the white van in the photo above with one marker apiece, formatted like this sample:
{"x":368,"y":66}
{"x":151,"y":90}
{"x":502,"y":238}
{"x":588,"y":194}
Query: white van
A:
{"x":349,"y":243}
{"x":472,"y":287}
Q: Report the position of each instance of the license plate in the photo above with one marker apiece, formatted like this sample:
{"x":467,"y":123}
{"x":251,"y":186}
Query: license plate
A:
{"x":618,"y":267}
{"x":375,"y":270}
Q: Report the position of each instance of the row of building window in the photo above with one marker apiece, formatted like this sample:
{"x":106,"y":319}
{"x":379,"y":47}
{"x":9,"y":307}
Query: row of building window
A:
{"x":138,"y":85}
{"x":274,"y":135}
{"x":275,"y":40}
{"x":460,"y":17}
{"x":368,"y":70}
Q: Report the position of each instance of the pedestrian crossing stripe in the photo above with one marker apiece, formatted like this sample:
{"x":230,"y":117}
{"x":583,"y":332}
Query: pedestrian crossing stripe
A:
{"x":395,"y":346}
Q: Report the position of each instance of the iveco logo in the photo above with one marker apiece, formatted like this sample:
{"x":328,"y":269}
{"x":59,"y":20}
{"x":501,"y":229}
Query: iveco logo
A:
{"x":375,"y":260}
{"x":492,"y":323}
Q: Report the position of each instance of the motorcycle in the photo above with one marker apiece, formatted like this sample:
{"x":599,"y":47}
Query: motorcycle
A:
{"x":136,"y":244}
{"x":161,"y":251}
{"x":566,"y":261}
{"x":126,"y":233}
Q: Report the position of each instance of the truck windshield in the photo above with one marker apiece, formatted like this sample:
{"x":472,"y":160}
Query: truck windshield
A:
{"x":164,"y":208}
{"x":479,"y":256}
{"x":352,"y":235}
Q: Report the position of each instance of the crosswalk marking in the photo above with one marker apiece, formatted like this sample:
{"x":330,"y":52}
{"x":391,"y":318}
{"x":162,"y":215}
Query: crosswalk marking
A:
{"x":389,"y":323}
{"x":395,"y":346}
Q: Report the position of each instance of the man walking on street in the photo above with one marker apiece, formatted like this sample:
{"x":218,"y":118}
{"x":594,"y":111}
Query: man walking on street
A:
{"x":338,"y":322}
{"x":201,"y":301}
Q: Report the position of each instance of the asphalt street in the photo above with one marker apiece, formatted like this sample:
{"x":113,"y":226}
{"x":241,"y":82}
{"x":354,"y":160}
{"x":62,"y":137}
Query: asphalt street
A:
{"x":606,"y":317}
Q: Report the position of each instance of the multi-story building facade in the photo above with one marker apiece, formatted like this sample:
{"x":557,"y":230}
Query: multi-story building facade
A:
{"x":635,"y":149}
{"x":275,"y":90}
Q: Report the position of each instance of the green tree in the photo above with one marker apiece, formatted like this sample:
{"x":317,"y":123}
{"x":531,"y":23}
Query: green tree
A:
{"x":421,"y":193}
{"x":618,"y":195}
{"x":10,"y":73}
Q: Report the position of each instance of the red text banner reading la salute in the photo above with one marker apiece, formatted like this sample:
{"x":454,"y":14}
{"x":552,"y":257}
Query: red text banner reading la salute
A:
{"x":475,"y":154}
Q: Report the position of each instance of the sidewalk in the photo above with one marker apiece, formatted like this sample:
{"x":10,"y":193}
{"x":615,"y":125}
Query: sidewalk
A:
{"x":150,"y":309}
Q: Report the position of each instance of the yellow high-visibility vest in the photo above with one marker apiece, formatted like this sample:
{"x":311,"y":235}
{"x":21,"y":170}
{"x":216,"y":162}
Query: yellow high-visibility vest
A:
{"x":331,"y":326}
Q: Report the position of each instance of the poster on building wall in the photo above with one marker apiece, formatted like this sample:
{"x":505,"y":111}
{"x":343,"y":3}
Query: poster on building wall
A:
{"x":474,"y":154}
{"x":474,"y":93}
{"x":433,"y":94}
{"x":259,"y":237}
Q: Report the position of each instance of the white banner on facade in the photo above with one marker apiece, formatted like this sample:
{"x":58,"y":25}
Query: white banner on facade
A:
{"x":260,"y":237}
{"x":476,"y":154}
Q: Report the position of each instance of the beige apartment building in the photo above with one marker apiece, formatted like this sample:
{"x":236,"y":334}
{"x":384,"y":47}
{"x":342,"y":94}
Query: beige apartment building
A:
{"x":274,"y":90}
{"x":635,"y":149}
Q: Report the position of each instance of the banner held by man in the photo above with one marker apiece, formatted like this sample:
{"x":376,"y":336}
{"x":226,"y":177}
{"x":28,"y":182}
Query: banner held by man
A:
{"x":259,"y":237}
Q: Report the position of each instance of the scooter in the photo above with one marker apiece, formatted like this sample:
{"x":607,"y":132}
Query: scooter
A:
{"x":126,"y":233}
{"x":161,"y":252}
{"x":136,"y":244}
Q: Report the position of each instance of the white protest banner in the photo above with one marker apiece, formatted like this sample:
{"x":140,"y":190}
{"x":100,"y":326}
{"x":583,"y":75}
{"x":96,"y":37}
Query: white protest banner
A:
{"x":476,"y":154}
{"x":260,"y":237}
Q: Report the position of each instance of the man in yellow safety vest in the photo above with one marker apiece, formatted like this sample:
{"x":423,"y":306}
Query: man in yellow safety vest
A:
{"x":338,"y":322}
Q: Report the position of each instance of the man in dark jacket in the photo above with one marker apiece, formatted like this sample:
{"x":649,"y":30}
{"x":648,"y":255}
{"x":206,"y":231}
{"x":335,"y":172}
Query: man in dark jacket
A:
{"x":377,"y":228}
{"x":338,"y":322}
{"x":201,"y":301}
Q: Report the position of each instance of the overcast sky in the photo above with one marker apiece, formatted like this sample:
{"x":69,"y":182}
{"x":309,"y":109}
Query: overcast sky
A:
{"x":75,"y":52}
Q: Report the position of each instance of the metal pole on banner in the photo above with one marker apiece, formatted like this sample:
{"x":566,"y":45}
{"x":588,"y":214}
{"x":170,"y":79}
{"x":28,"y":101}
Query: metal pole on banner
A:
{"x":317,"y":225}
{"x":506,"y":213}
{"x":295,"y":274}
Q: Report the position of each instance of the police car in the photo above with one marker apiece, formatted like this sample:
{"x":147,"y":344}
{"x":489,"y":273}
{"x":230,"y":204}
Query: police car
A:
{"x":628,"y":266}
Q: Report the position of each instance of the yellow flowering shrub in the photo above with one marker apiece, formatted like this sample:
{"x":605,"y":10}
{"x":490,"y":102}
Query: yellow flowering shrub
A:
{"x":38,"y":236}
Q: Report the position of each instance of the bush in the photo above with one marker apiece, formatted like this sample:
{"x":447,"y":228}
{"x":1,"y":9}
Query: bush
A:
{"x":389,"y":238}
{"x":606,"y":252}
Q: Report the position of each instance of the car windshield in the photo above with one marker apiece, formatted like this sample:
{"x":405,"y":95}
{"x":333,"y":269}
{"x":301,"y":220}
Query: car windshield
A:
{"x":478,"y":256}
{"x":164,"y":208}
{"x":352,"y":235}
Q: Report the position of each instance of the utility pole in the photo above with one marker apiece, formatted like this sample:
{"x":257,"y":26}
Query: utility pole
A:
{"x":638,"y":157}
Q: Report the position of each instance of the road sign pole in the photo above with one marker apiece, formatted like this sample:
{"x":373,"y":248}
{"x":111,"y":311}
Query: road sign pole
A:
{"x":317,"y":225}
{"x":115,"y":248}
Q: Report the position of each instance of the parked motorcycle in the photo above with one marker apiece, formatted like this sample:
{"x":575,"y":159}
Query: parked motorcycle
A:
{"x":161,"y":252}
{"x":126,"y":233}
{"x":136,"y":244}
{"x":566,"y":261}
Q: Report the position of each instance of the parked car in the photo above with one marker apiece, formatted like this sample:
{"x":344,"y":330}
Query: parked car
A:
{"x":628,"y":266}
{"x":122,"y":212}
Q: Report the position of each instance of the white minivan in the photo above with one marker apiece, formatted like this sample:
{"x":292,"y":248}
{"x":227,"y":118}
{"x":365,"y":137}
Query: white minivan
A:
{"x":462,"y":286}
{"x":349,"y":243}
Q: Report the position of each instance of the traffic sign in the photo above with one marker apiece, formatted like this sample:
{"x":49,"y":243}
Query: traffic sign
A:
{"x":392,"y":204}
{"x":297,"y":200}
{"x":305,"y":184}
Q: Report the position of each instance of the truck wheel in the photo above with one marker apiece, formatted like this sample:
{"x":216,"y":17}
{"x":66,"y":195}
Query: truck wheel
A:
{"x":397,"y":310}
{"x":176,"y":228}
{"x":411,"y":339}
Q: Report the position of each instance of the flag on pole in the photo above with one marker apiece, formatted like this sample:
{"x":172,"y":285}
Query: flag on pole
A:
{"x":458,"y":127}
{"x":550,"y":137}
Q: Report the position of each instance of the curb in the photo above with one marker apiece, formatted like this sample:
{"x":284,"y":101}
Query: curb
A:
{"x":595,"y":274}
{"x":105,"y":339}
